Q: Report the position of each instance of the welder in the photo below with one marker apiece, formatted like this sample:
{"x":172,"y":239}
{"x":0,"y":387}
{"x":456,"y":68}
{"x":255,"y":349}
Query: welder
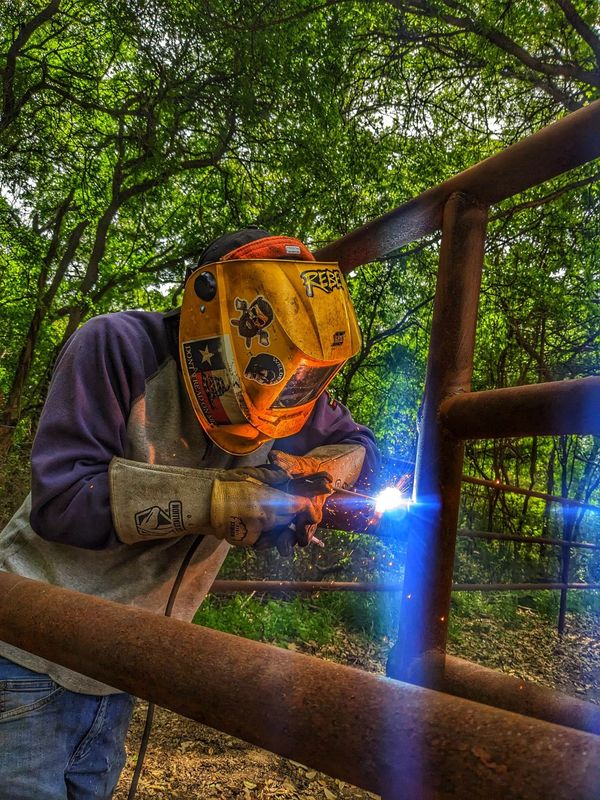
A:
{"x":199,"y":425}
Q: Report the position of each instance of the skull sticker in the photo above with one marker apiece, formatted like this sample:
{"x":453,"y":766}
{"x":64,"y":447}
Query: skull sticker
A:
{"x":254,"y":318}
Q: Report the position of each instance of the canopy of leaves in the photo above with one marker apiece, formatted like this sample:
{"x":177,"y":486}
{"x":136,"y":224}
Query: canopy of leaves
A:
{"x":132,"y":134}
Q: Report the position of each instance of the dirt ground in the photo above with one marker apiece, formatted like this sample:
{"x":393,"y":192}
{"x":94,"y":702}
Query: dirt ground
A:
{"x":186,"y":760}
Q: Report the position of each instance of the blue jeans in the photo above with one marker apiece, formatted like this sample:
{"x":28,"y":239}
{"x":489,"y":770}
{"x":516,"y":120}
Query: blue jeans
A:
{"x":56,"y":744}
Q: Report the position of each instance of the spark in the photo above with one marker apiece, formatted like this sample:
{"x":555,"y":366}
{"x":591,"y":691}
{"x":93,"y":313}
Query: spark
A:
{"x":390,"y":499}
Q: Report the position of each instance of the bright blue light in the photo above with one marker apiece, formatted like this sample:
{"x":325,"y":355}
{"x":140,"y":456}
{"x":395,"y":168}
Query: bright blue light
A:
{"x":390,"y":499}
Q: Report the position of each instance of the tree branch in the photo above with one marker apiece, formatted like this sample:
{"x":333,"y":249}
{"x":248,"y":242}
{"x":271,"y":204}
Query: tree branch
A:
{"x":580,"y":25}
{"x":11,"y":106}
{"x":547,"y":198}
{"x":499,"y":39}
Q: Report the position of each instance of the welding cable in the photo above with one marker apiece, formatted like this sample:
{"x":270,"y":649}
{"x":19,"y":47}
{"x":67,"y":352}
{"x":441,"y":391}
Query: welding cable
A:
{"x":150,"y":712}
{"x":168,"y":609}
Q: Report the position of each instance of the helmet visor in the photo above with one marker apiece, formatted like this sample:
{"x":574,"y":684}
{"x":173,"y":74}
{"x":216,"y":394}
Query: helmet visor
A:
{"x":305,"y":385}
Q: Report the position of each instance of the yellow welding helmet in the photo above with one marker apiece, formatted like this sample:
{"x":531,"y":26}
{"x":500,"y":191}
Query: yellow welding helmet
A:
{"x":263,"y":331}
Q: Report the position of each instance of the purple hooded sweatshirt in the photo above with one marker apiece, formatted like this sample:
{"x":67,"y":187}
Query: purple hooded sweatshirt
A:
{"x":117,"y":391}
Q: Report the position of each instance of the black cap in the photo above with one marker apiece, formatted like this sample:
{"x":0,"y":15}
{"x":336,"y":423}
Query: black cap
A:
{"x":226,"y":243}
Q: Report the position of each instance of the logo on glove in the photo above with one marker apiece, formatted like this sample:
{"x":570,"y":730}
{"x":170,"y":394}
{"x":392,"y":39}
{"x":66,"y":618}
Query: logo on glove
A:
{"x":155,"y":521}
{"x":237,"y":529}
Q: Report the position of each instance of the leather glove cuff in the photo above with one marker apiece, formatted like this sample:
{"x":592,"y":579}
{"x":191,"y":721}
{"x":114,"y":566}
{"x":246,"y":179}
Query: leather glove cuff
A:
{"x":150,"y":501}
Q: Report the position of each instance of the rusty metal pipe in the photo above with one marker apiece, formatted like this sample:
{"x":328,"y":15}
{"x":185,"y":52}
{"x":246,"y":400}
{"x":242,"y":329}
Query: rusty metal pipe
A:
{"x":553,"y":150}
{"x":542,"y":409}
{"x":362,"y":512}
{"x":474,"y":682}
{"x":225,"y":586}
{"x":514,"y":537}
{"x":382,"y":735}
{"x":438,"y":469}
{"x":510,"y":488}
{"x":552,"y":498}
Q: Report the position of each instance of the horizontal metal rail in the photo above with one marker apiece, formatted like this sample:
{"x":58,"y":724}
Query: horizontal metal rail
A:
{"x":542,"y":409}
{"x":557,"y":148}
{"x":519,"y":587}
{"x":552,"y":498}
{"x":474,"y":682}
{"x":275,"y":587}
{"x":385,"y":736}
{"x":514,"y":537}
{"x":508,"y":487}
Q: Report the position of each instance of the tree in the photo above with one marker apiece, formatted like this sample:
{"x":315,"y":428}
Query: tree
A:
{"x":134,"y":133}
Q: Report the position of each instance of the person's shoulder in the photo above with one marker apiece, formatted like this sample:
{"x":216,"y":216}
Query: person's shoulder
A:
{"x":137,"y":337}
{"x":148,"y":323}
{"x":328,"y":405}
{"x":125,"y":330}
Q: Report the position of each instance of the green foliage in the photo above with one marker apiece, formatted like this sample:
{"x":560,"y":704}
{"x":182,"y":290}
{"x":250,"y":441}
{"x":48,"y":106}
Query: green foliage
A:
{"x":299,"y":620}
{"x":133,"y":133}
{"x":269,"y":620}
{"x":14,"y":482}
{"x":475,"y":605}
{"x":582,"y":601}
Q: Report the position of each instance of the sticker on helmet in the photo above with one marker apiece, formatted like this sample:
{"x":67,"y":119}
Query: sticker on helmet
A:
{"x":324,"y":279}
{"x":338,"y":338}
{"x":204,"y":360}
{"x":254,"y":318}
{"x":265,"y":369}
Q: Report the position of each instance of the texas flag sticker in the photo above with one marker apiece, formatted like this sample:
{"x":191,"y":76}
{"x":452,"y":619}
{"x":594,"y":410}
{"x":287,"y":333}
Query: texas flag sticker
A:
{"x":204,"y":361}
{"x":205,"y":354}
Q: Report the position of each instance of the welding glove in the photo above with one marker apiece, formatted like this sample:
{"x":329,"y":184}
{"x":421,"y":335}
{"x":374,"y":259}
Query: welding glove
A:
{"x":344,"y":462}
{"x":281,"y":494}
{"x":314,"y":475}
{"x":245,"y":509}
{"x":150,"y":502}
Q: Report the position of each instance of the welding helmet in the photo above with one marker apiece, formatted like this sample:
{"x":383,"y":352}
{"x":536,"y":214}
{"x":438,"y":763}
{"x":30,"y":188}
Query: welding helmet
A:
{"x":264,"y":328}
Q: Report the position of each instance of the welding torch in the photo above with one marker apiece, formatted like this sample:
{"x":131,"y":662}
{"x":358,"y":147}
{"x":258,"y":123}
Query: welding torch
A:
{"x":392,"y":498}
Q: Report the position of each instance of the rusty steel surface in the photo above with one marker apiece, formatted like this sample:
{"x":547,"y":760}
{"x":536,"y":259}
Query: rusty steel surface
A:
{"x":385,"y":736}
{"x":225,"y":586}
{"x":438,"y":468}
{"x":542,"y":409}
{"x":506,"y":487}
{"x":299,"y":587}
{"x":553,"y":150}
{"x":474,"y":682}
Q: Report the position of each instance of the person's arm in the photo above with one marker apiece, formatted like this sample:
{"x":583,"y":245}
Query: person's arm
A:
{"x":99,"y":374}
{"x":85,"y":493}
{"x":330,"y":434}
{"x":330,"y":423}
